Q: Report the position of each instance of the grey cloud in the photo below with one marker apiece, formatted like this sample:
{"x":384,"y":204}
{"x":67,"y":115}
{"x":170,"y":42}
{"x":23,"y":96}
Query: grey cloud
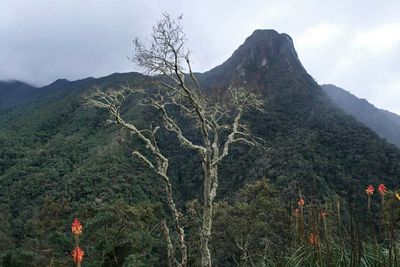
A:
{"x":44,"y":40}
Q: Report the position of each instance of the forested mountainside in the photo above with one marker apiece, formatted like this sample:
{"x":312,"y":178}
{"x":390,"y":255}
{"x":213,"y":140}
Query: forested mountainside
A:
{"x":393,"y":116}
{"x":384,"y":123}
{"x":13,"y":93}
{"x":60,"y":159}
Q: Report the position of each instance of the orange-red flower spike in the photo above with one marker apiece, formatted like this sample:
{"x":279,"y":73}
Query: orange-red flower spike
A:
{"x":370,"y":190}
{"x":76,"y":227}
{"x":313,"y":239}
{"x":382,"y":189}
{"x":77,"y":254}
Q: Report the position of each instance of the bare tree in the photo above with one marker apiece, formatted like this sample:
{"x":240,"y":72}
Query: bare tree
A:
{"x":218,"y":120}
{"x":113,"y":101}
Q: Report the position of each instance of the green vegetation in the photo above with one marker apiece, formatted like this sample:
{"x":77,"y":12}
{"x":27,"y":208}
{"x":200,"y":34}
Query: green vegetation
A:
{"x":259,"y":229}
{"x":59,"y":160}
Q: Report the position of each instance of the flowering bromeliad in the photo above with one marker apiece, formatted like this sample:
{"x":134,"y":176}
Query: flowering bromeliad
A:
{"x":76,"y":227}
{"x":370,"y":190}
{"x":313,"y":239}
{"x":382,"y":189}
{"x":77,"y":253}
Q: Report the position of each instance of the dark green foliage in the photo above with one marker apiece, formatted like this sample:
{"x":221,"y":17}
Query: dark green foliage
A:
{"x":59,"y":160}
{"x":258,"y":228}
{"x":251,"y":229}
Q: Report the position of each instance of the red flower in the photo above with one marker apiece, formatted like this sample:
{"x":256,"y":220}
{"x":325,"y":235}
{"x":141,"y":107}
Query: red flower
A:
{"x":77,"y":254}
{"x":313,"y":239}
{"x":382,"y":189}
{"x":370,"y":190}
{"x":301,"y":202}
{"x":76,"y":227}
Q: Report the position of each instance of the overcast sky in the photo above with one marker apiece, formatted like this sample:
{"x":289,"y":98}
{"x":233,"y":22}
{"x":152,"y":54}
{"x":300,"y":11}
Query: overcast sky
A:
{"x":352,"y":44}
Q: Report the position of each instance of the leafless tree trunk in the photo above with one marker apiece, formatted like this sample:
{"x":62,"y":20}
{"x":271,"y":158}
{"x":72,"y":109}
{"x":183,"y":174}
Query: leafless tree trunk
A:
{"x":167,"y":59}
{"x":113,"y":101}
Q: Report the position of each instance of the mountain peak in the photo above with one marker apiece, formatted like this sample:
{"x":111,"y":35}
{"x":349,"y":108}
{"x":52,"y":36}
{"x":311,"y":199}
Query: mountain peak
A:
{"x":264,"y":47}
{"x":269,"y":39}
{"x":261,"y":52}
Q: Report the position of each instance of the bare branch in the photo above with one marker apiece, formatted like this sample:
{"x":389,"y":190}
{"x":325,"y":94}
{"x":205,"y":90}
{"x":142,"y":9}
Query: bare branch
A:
{"x":191,"y":72}
{"x":170,"y":248}
{"x":171,"y":125}
{"x":113,"y":101}
{"x":164,"y":56}
{"x":242,"y":99}
{"x":144,"y":159}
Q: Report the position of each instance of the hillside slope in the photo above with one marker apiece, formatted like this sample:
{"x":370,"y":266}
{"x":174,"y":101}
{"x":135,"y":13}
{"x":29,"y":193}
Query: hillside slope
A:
{"x":384,"y":123}
{"x":13,"y":93}
{"x":310,"y":140}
